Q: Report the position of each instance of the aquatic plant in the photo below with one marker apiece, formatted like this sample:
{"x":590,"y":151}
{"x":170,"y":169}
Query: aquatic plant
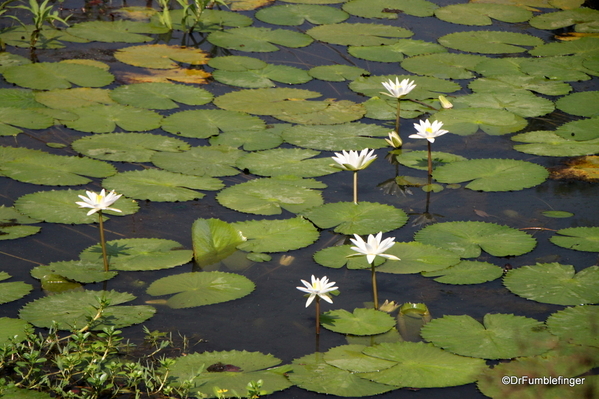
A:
{"x":398,"y":90}
{"x":318,"y":288}
{"x":354,"y":161}
{"x":429,"y":132}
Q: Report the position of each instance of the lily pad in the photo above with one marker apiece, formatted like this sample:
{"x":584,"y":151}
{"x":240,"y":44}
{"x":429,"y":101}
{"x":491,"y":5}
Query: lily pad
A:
{"x":519,"y":102}
{"x":236,"y":63}
{"x":561,"y":19}
{"x":58,"y":206}
{"x":160,"y":95}
{"x":127,"y":147}
{"x":358,"y":34}
{"x":348,"y":136}
{"x":333,"y":112}
{"x":182,"y":75}
{"x":201,"y":288}
{"x":554,"y":283}
{"x":469,"y":120}
{"x":336,"y":257}
{"x":252,"y":140}
{"x":548,"y":143}
{"x":362,"y":218}
{"x":11,"y":291}
{"x":74,"y":97}
{"x":49,"y":38}
{"x":397,"y":51}
{"x":161,"y":185}
{"x":480,"y":14}
{"x":265,"y":77}
{"x":578,"y":238}
{"x":467,"y":239}
{"x":254,"y":39}
{"x":13,"y":118}
{"x":214,"y":240}
{"x":118,"y":31}
{"x":297,"y":14}
{"x":351,"y":358}
{"x":489,"y":42}
{"x":565,"y":68}
{"x":286,"y":161}
{"x":581,"y":130}
{"x":581,"y":104}
{"x":492,"y":174}
{"x":7,"y":60}
{"x":57,"y":75}
{"x":161,"y":56}
{"x":419,"y":159}
{"x":72,"y":310}
{"x":577,"y":325}
{"x":360,"y":322}
{"x":216,"y":160}
{"x":11,"y":224}
{"x":337,"y":73}
{"x":270,"y":101}
{"x":276,"y":235}
{"x":75,"y":270}
{"x":204,"y":123}
{"x":587,"y":46}
{"x":426,"y":86}
{"x":443,"y":65}
{"x":467,"y":272}
{"x":500,"y":336}
{"x":102,"y":118}
{"x":417,"y":257}
{"x":15,"y":330}
{"x":505,"y":82}
{"x":388,"y":9}
{"x":133,"y":254}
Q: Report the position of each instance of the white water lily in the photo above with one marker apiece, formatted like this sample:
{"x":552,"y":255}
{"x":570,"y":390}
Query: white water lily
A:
{"x":353,"y":160}
{"x":373,"y":247}
{"x":320,"y":287}
{"x":397,"y":89}
{"x":99,"y":202}
{"x":428,"y":131}
{"x":394,"y":140}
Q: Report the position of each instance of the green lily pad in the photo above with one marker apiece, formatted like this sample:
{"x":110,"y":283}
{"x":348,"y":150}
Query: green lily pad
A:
{"x":581,"y":104}
{"x":102,"y":118}
{"x":270,"y":101}
{"x":547,"y":143}
{"x":286,"y":161}
{"x":508,"y":83}
{"x":578,"y":238}
{"x":11,"y":224}
{"x":426,"y":87}
{"x":348,"y":136}
{"x":467,"y":239}
{"x":422,"y":365}
{"x":18,"y":98}
{"x":269,"y":197}
{"x":554,"y":283}
{"x":417,"y":257}
{"x":561,"y":19}
{"x":419,"y":159}
{"x":358,"y":34}
{"x":557,"y":214}
{"x":74,"y":270}
{"x":480,"y":14}
{"x":360,"y":322}
{"x":362,"y":218}
{"x":265,"y":77}
{"x":161,"y":185}
{"x":13,"y":118}
{"x":57,"y":75}
{"x":59,"y":206}
{"x":489,"y":42}
{"x":588,"y":46}
{"x":253,"y":366}
{"x":467,"y":272}
{"x":351,"y":358}
{"x":14,"y":290}
{"x":15,"y":330}
{"x":204,"y":123}
{"x":519,"y":102}
{"x":395,"y":52}
{"x":336,"y":257}
{"x":160,"y":95}
{"x":214,"y":240}
{"x":276,"y":235}
{"x":254,"y":39}
{"x":388,"y":9}
{"x":443,"y":65}
{"x":216,"y":160}
{"x":500,"y":336}
{"x":469,"y":120}
{"x":337,"y":73}
{"x":201,"y":288}
{"x":133,"y":254}
{"x":11,"y":232}
{"x":492,"y":174}
{"x":118,"y":31}
{"x":297,"y":14}
{"x":576,"y":325}
{"x":74,"y":97}
{"x":210,"y":20}
{"x":7,"y":60}
{"x":72,"y":310}
{"x":253,"y":140}
{"x":580,"y":130}
{"x":127,"y":147}
{"x":565,"y":68}
{"x":160,"y":56}
{"x":386,"y":108}
{"x":312,"y":373}
{"x":236,"y":63}
{"x":333,"y":112}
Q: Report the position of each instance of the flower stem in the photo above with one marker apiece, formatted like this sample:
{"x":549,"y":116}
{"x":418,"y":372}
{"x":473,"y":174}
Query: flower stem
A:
{"x":397,"y":118}
{"x":317,"y":315}
{"x":375,"y":292}
{"x":430,"y":159}
{"x":103,"y":242}
{"x":356,"y":187}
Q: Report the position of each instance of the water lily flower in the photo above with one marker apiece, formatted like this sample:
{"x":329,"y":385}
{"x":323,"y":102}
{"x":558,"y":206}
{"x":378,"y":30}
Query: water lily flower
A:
{"x":373,"y":247}
{"x":445,"y":103}
{"x":353,"y":160}
{"x":428,"y":131}
{"x":320,"y":287}
{"x":394,"y":140}
{"x":99,"y":202}
{"x":397,"y":89}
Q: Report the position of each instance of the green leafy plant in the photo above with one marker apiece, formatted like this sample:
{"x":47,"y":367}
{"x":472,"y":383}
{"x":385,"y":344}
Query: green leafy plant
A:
{"x":41,"y":14}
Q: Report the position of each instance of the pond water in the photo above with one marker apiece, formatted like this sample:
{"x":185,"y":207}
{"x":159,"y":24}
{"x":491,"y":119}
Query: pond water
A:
{"x":273,"y":319}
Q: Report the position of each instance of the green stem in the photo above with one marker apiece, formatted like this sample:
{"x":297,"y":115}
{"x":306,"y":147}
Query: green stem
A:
{"x":375,"y":292}
{"x":103,"y":242}
{"x":397,"y":118}
{"x":356,"y":187}
{"x":430,"y":159}
{"x":317,"y":315}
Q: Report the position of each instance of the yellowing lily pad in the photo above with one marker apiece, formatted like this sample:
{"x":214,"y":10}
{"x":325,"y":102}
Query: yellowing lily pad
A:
{"x":181,"y":75}
{"x":161,"y":56}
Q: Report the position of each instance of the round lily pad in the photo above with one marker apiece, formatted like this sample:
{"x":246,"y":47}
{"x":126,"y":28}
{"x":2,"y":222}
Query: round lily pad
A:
{"x":160,"y":95}
{"x":358,"y":34}
{"x":578,"y":238}
{"x":201,"y":288}
{"x":577,"y":325}
{"x":581,"y":104}
{"x":286,"y":161}
{"x":236,"y":63}
{"x":360,"y":322}
{"x":11,"y":224}
{"x":564,"y":18}
{"x":297,"y":14}
{"x":57,"y":75}
{"x":352,"y":358}
{"x":489,"y":42}
{"x":419,"y":159}
{"x":74,"y":97}
{"x":426,"y":87}
{"x":14,"y":330}
{"x":338,"y":256}
{"x":362,"y":218}
{"x":160,"y":56}
{"x":581,"y":130}
{"x":554,"y":283}
{"x":481,"y":14}
{"x":467,"y":239}
{"x":500,"y":336}
{"x":443,"y":65}
{"x":216,"y":160}
{"x":416,"y":257}
{"x":270,"y":101}
{"x":117,"y":31}
{"x":467,"y":272}
{"x":276,"y":235}
{"x":389,"y":9}
{"x":255,"y":39}
{"x":584,"y":45}
{"x":512,"y":82}
{"x":75,"y":270}
{"x":337,"y":73}
{"x":252,"y":140}
{"x":103,"y":118}
{"x":134,"y":254}
{"x":519,"y":102}
{"x":548,"y":143}
{"x":13,"y":118}
{"x":11,"y":291}
{"x":264,"y":77}
{"x":71,"y":310}
{"x":208,"y":122}
{"x":468,"y":121}
{"x":348,"y":136}
{"x":397,"y":51}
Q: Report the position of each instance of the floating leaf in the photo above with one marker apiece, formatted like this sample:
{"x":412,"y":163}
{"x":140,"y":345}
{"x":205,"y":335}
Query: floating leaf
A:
{"x":337,"y":73}
{"x":468,"y":121}
{"x":286,"y":161}
{"x":480,"y":14}
{"x":351,"y":358}
{"x":26,"y":118}
{"x":578,"y":238}
{"x":75,"y":270}
{"x":489,"y":42}
{"x":358,"y":34}
{"x":257,"y":78}
{"x":583,"y":129}
{"x":236,"y":63}
{"x":568,"y":69}
{"x":214,"y":240}
{"x":160,"y":56}
{"x":581,"y":104}
{"x":14,"y":290}
{"x":214,"y":160}
{"x":49,"y":37}
{"x":561,"y":19}
{"x":7,"y":60}
{"x":204,"y":123}
{"x":504,"y":82}
{"x":519,"y":102}
{"x":389,"y":8}
{"x":360,"y":322}
{"x":119,"y":31}
{"x":72,"y":310}
{"x":269,"y":197}
{"x":587,"y":46}
{"x":348,"y":136}
{"x":468,"y":238}
{"x":419,"y":159}
{"x":252,"y":140}
{"x":492,"y":174}
{"x":59,"y":206}
{"x":57,"y":75}
{"x":276,"y":235}
{"x":417,"y":257}
{"x":297,"y":14}
{"x":336,"y":257}
{"x":467,"y":272}
{"x":133,"y":254}
{"x":576,"y":325}
{"x":581,"y":168}
{"x":182,"y":75}
{"x":334,"y":112}
{"x":160,"y":185}
{"x":102,"y":118}
{"x":395,"y":52}
{"x":73,"y":98}
{"x":361,"y":218}
{"x":554,"y":283}
{"x":426,"y":87}
{"x":548,"y":143}
{"x":270,"y":101}
{"x":11,"y":224}
{"x":422,"y":365}
{"x":15,"y":330}
{"x":254,"y":39}
{"x":201,"y":288}
{"x":18,"y":98}
{"x":557,"y":214}
{"x":443,"y":65}
{"x":500,"y":336}
{"x":159,"y":95}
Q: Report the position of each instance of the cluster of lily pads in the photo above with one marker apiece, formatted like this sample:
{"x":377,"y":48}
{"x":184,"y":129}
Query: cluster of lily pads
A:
{"x":180,"y":140}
